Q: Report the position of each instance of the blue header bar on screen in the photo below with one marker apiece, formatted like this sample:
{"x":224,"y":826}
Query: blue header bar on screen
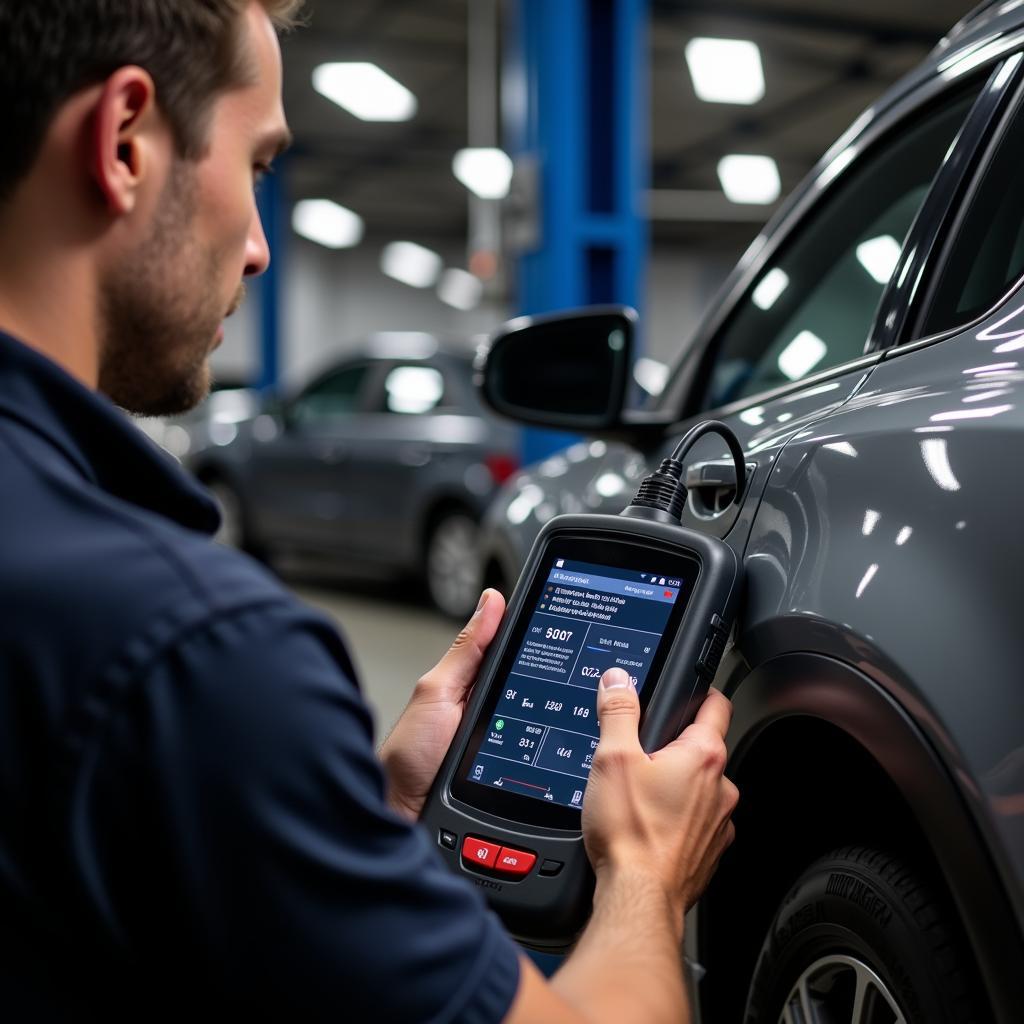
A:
{"x":627,"y":588}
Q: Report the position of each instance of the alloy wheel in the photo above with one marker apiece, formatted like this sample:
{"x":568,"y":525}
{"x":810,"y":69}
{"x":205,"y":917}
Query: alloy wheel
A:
{"x":453,"y":565}
{"x":840,"y":989}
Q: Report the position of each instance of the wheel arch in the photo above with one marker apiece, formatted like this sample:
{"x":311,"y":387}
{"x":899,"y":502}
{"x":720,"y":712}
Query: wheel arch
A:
{"x":823,"y":757}
{"x":440,"y":505}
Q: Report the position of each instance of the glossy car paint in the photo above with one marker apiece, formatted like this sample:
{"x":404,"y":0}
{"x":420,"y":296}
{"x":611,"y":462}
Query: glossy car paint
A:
{"x":879,"y":531}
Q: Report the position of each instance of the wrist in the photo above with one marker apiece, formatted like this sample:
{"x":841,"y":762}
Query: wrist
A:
{"x":403,"y":806}
{"x":645,"y":891}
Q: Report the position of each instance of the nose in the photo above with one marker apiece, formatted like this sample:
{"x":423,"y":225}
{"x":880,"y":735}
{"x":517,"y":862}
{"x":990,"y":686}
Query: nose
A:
{"x":257,"y":249}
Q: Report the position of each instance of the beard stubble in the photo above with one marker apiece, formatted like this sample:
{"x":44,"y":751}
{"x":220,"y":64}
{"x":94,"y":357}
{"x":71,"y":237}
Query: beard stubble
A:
{"x":160,"y":311}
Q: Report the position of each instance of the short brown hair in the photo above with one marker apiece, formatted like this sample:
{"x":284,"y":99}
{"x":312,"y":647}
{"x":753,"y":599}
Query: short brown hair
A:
{"x":50,"y":49}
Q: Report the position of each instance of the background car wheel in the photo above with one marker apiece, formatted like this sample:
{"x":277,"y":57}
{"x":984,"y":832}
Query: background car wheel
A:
{"x":234,"y":531}
{"x":862,"y":939}
{"x":452,"y":564}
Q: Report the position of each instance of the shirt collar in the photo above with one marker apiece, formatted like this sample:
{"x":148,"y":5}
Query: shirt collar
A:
{"x":98,"y":439}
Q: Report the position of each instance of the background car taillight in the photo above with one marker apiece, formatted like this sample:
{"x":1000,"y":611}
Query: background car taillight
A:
{"x":501,"y":467}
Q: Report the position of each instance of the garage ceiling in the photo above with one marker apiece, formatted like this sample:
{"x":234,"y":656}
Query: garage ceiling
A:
{"x":824,"y":62}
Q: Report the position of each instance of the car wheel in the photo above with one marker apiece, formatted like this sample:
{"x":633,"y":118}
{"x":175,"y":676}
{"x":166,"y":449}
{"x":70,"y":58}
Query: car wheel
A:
{"x":862,"y":939}
{"x":233,"y":530}
{"x":452,"y":564}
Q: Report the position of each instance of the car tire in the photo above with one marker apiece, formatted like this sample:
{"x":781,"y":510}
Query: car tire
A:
{"x":234,"y":530}
{"x":861,"y":937}
{"x":452,"y":570}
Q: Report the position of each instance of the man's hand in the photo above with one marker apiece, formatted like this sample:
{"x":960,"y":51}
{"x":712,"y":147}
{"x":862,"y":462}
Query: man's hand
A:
{"x":655,"y":826}
{"x":413,"y":752}
{"x":666,"y":813}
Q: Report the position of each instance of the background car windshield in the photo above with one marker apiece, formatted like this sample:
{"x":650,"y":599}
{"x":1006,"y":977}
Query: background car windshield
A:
{"x":813,"y":306}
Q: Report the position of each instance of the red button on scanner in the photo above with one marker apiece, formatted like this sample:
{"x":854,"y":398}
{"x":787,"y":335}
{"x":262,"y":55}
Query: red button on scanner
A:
{"x":479,"y":853}
{"x":515,"y":862}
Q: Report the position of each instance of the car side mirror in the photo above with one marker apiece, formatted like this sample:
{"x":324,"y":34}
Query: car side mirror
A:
{"x":567,"y":371}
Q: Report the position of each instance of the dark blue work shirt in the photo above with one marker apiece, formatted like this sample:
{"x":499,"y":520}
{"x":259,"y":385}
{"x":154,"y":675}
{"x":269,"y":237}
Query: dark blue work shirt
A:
{"x":192,"y":817}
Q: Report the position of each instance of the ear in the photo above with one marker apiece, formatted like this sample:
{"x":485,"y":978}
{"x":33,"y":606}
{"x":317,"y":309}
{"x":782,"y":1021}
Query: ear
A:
{"x":122,"y":143}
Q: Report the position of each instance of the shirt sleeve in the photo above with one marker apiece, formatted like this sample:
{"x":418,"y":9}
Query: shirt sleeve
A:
{"x":230,"y":827}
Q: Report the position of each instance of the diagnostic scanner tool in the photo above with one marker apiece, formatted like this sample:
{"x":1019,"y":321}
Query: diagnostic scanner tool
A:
{"x":635,"y":591}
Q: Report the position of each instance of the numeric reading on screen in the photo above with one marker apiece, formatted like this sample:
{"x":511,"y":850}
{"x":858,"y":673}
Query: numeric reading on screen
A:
{"x":541,"y":737}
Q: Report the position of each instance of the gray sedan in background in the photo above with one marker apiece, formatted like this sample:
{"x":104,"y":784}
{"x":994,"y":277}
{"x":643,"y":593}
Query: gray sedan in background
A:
{"x":386,"y":460}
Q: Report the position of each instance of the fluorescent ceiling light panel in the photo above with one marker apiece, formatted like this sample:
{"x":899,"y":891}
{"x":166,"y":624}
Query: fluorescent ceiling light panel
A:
{"x":411,"y":264}
{"x":749,"y":179}
{"x":365,"y":91}
{"x":460,"y":289}
{"x":725,"y":70}
{"x":879,"y":256}
{"x":801,"y":355}
{"x":327,"y":223}
{"x":487,"y":172}
{"x":772,"y":285}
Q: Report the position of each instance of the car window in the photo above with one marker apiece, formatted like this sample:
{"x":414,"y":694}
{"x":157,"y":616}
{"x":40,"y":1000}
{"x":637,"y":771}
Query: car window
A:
{"x":335,"y":394}
{"x":986,"y":256}
{"x":814,"y":304}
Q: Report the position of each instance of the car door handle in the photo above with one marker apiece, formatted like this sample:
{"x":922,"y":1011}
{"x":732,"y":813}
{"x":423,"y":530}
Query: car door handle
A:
{"x":716,"y":473}
{"x":712,"y":485}
{"x":332,"y":454}
{"x":414,"y":455}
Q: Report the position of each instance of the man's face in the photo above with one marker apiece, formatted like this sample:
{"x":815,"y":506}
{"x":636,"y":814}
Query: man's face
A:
{"x":164,"y":303}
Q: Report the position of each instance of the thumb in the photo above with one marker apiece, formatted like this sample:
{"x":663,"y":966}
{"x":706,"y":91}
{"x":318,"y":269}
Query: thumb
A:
{"x":618,"y":710}
{"x":456,"y":672}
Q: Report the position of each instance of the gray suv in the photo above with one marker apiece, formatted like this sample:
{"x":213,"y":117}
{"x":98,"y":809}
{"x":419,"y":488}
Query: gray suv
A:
{"x":868,"y":352}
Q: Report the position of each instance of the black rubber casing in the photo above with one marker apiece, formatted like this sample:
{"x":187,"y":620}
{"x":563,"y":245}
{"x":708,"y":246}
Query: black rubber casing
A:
{"x":547,"y":911}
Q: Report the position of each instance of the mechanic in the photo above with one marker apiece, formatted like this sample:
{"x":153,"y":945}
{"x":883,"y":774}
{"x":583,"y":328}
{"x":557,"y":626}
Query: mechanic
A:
{"x":192,"y":815}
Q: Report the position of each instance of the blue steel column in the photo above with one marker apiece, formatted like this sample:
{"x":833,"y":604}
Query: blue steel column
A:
{"x":575,"y":99}
{"x":272,"y":203}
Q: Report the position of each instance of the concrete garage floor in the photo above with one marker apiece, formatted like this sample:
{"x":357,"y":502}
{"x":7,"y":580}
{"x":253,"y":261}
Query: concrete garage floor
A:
{"x":393,"y":642}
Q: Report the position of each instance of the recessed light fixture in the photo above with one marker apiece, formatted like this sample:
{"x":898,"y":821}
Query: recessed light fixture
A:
{"x":460,"y":289}
{"x":749,"y":179}
{"x":327,"y":223}
{"x":485,"y":171}
{"x":411,"y":264}
{"x":365,"y":91}
{"x":725,"y":70}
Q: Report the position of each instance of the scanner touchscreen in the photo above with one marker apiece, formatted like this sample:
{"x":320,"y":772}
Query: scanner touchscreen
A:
{"x":543,"y":732}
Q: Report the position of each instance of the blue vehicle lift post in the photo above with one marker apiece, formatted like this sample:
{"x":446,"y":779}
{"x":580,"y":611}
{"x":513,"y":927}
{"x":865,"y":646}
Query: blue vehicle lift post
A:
{"x":575,"y":103}
{"x":271,"y":201}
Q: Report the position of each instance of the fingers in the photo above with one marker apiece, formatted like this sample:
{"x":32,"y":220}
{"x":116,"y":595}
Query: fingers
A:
{"x":618,"y":711}
{"x":715,"y":712}
{"x":455,"y":673}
